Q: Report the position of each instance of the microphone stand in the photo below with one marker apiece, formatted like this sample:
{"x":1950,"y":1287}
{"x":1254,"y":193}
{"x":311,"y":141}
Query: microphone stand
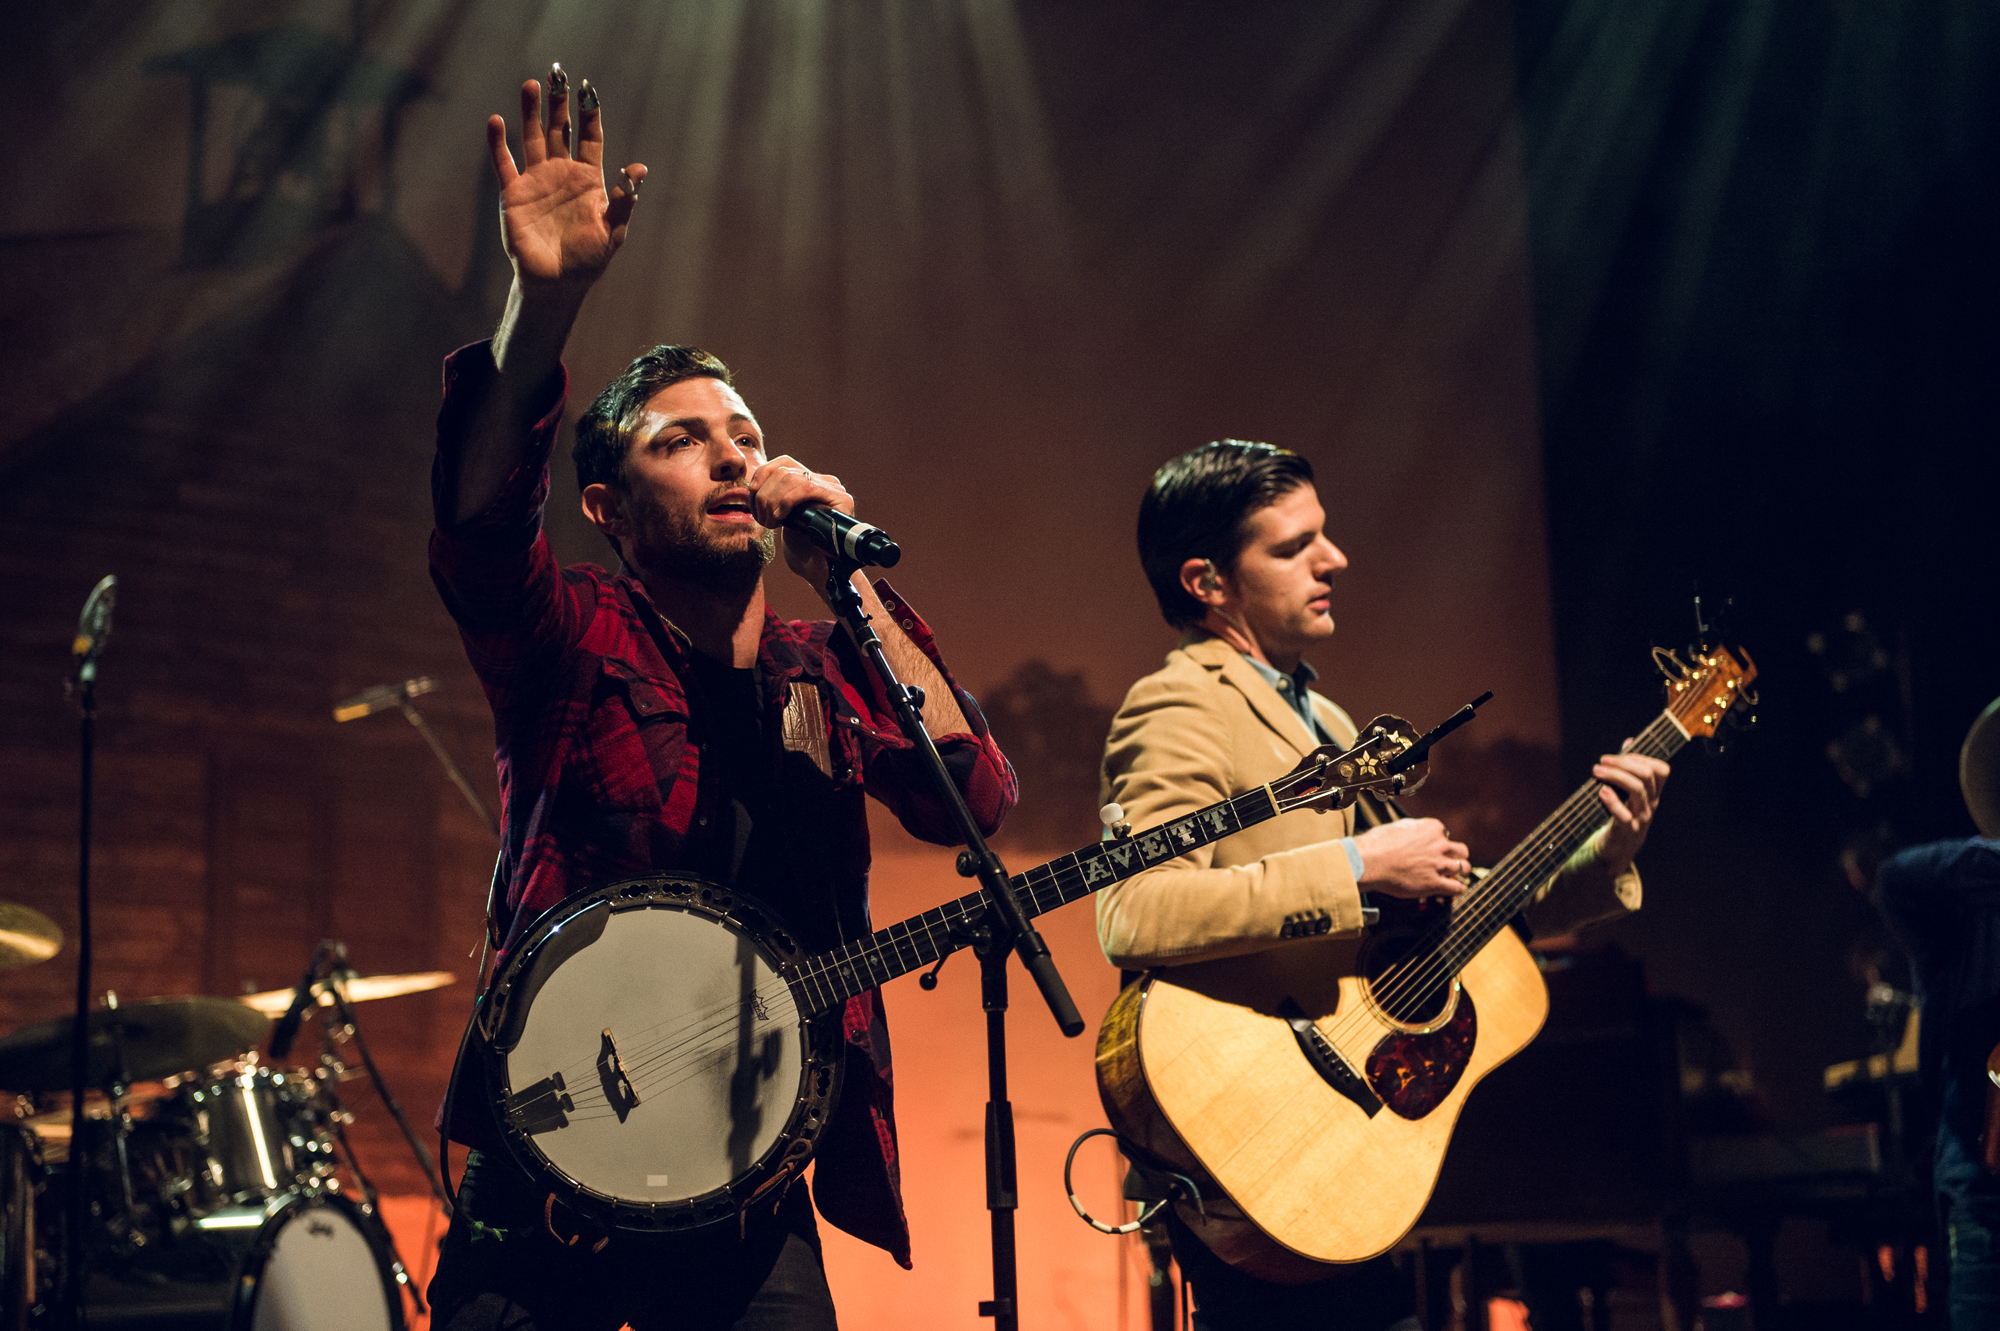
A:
{"x":1003,"y":928}
{"x":451,"y":768}
{"x":79,"y":1049}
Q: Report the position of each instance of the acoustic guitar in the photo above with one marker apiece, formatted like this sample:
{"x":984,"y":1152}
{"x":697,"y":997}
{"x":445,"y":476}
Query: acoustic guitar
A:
{"x":1310,"y":1090}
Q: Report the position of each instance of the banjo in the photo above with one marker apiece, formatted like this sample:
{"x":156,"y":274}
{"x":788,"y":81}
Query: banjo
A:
{"x":663,"y":1054}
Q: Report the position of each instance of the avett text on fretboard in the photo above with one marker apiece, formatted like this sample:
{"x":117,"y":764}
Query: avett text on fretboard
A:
{"x":828,"y":979}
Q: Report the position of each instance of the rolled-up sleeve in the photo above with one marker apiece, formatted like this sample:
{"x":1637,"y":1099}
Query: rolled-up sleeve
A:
{"x":494,"y":570}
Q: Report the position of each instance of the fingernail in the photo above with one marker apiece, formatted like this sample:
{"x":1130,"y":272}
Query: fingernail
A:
{"x":586,"y":97}
{"x":558,"y":81}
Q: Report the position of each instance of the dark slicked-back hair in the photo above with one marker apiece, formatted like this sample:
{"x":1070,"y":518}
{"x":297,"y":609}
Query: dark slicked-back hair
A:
{"x":1199,"y":507}
{"x":604,"y":433}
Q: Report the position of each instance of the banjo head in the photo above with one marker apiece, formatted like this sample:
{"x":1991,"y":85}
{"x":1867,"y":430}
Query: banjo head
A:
{"x":649,"y":1059}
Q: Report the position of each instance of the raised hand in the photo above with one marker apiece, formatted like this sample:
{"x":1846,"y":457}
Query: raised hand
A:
{"x":557,"y":221}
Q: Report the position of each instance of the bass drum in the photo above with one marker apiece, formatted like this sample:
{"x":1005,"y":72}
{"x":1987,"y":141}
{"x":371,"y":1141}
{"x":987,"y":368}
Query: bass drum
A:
{"x":308,"y":1261}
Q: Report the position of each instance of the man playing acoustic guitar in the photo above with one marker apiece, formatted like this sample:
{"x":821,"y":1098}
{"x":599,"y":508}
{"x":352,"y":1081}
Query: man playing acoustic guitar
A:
{"x":663,"y":719}
{"x":1232,"y":538}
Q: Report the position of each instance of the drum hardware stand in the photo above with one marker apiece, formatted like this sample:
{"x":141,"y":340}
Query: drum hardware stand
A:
{"x":342,"y":1018}
{"x":92,"y":630}
{"x":121,"y":1126}
{"x":337,"y":986}
{"x":1005,"y":928}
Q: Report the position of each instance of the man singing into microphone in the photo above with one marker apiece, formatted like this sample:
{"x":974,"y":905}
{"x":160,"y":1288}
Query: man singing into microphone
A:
{"x":663,"y":719}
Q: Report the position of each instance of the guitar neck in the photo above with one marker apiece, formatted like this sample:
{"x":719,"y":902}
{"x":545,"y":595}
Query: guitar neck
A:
{"x":829,"y":979}
{"x":1488,"y":906}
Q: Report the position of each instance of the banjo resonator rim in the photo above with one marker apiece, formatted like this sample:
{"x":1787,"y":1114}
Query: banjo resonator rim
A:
{"x":521,"y":979}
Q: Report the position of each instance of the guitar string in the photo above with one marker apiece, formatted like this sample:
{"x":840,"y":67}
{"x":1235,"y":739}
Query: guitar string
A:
{"x":1045,"y":887}
{"x":688,"y":1056}
{"x":1494,"y":899}
{"x":1444,"y":950}
{"x":654,"y":1066}
{"x":729,"y":1018}
{"x":599,"y":1106}
{"x":636,"y":1054}
{"x":838,"y":973}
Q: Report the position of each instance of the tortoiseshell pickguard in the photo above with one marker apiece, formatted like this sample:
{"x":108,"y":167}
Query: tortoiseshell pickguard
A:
{"x":1414,"y":1073}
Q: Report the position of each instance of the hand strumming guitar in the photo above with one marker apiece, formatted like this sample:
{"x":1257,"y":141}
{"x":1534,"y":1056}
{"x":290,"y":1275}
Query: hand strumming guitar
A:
{"x":1412,"y":857}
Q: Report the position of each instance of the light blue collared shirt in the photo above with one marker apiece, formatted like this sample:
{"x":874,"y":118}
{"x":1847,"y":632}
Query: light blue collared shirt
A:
{"x":1295,"y":689}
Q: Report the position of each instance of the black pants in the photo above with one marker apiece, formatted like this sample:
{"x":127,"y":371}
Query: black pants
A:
{"x":502,"y":1270}
{"x":1367,"y":1296}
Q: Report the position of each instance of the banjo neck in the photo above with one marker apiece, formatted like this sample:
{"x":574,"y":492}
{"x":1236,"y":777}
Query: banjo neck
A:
{"x":826,"y":980}
{"x":1328,"y":778}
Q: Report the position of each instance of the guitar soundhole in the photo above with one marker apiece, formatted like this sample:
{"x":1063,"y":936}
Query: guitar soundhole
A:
{"x":1405,"y":989}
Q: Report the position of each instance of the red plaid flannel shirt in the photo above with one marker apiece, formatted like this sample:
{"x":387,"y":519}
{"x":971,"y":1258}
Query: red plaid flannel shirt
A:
{"x":601,"y":772}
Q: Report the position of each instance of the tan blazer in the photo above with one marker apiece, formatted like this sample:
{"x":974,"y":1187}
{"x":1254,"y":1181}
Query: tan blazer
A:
{"x":1205,"y":727}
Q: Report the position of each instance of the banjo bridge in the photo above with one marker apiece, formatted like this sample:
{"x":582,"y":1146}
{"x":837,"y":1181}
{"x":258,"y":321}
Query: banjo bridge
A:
{"x":611,"y":1072}
{"x":542,"y":1107}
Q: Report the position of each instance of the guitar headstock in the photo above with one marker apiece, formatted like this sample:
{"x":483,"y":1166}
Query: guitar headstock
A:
{"x":1701,"y":693}
{"x":1331,"y":777}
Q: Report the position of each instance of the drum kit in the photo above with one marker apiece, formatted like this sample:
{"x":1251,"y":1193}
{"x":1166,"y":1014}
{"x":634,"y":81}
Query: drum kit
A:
{"x":219,"y":1190}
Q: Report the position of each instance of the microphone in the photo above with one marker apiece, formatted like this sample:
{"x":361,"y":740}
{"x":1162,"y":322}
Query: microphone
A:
{"x":93,"y":627}
{"x":844,"y":537}
{"x":288,"y":1025}
{"x":1421,"y":750}
{"x":382,"y":697}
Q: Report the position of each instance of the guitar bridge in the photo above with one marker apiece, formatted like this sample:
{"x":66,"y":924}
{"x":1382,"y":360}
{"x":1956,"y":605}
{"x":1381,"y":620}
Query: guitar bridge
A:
{"x":1326,"y":1060}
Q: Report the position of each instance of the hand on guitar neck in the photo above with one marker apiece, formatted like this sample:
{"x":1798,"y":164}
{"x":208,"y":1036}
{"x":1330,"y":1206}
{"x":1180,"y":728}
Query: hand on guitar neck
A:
{"x":1416,"y":857}
{"x":1630,"y":792}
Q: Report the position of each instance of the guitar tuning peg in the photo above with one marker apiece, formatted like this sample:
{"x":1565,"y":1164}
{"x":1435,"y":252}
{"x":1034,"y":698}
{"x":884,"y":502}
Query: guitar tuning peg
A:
{"x":1113,"y":817}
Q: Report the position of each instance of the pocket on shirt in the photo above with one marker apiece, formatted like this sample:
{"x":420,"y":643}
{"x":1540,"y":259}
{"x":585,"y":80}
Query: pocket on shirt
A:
{"x":635,"y":741}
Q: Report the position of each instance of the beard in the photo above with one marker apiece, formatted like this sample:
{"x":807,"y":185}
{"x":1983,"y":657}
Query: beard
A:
{"x":675,"y":543}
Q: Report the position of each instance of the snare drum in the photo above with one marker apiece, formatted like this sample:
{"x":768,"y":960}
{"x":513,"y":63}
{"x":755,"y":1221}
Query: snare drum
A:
{"x":259,"y":1130}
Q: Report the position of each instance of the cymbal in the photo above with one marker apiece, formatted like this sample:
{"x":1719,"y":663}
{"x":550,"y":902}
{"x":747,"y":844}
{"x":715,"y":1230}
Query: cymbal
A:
{"x":157,"y":1038}
{"x":359,"y":988}
{"x":26,"y":936}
